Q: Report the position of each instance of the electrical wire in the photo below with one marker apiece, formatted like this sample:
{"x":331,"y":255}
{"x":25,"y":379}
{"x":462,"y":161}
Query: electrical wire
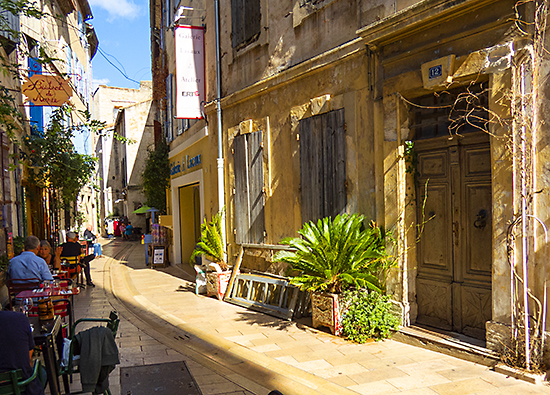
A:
{"x":103,"y":53}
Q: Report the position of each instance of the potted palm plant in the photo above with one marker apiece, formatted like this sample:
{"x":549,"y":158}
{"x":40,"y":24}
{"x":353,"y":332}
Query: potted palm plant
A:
{"x":211,"y":246}
{"x":334,"y":254}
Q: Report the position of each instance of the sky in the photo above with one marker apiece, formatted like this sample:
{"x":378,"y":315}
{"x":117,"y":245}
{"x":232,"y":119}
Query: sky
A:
{"x":122,"y":27}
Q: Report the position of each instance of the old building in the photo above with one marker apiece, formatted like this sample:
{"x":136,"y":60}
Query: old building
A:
{"x":113,"y":105}
{"x":425,"y":116}
{"x":65,"y":35}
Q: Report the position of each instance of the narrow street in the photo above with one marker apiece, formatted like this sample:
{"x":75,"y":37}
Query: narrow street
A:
{"x":231,"y":350}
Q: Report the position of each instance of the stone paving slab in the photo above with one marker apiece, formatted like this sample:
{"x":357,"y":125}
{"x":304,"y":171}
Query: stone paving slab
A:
{"x":280,"y":354}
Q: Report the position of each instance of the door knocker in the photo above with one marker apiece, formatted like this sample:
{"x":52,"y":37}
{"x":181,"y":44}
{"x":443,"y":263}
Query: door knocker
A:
{"x":481,"y":220}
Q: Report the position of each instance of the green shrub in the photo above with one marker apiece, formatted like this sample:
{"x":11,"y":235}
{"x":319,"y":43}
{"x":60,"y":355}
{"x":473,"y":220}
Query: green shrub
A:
{"x":18,"y":245}
{"x":367,"y":315}
{"x":333,"y":254}
{"x":4,"y":263}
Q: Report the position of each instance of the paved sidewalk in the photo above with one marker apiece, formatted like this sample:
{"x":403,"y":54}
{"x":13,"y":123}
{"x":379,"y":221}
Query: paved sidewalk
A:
{"x":258,"y":352}
{"x":136,"y":347}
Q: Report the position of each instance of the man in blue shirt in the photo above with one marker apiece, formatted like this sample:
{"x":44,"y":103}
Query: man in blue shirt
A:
{"x":28,"y":264}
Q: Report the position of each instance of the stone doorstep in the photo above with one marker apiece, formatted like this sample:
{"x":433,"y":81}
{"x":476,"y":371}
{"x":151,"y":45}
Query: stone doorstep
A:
{"x":447,"y":345}
{"x":533,"y":378}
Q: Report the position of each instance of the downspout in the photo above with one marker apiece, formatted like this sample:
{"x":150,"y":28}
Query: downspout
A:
{"x":378,"y":122}
{"x":220,"y":161}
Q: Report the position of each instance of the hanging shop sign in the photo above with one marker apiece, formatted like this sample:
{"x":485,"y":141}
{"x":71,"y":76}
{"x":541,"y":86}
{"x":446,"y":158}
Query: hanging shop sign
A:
{"x":190,"y":84}
{"x":47,"y":90}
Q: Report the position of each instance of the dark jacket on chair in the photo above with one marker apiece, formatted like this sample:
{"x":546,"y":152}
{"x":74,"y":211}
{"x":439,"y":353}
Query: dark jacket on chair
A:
{"x":98,"y":357}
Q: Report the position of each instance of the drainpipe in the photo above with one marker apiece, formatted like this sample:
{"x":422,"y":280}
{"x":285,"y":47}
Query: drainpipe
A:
{"x":220,"y":161}
{"x":378,"y":121}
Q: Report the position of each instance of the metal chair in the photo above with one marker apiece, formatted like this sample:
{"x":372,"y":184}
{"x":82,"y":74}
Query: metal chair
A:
{"x":74,"y":269}
{"x":67,"y":371}
{"x":17,"y":285}
{"x":12,"y":382}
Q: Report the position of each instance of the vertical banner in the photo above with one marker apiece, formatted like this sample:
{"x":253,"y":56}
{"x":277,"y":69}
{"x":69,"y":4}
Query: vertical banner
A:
{"x":190,"y":84}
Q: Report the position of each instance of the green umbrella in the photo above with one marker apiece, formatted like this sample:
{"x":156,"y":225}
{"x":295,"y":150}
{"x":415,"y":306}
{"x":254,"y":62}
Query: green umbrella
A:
{"x":141,"y":210}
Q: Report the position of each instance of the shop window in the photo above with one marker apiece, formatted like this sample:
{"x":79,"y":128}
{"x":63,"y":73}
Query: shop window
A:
{"x":246,"y":22}
{"x":249,"y":187}
{"x":323,"y":165}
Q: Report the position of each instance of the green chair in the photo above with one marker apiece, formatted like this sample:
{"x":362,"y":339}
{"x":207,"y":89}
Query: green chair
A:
{"x":66,"y":371}
{"x":12,"y":382}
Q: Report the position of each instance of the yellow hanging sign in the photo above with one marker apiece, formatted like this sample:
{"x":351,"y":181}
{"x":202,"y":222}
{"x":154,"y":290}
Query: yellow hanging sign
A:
{"x":47,"y":90}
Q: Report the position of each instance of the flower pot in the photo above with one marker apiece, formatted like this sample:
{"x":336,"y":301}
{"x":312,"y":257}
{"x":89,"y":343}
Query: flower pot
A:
{"x":216,"y":283}
{"x":325,"y":309}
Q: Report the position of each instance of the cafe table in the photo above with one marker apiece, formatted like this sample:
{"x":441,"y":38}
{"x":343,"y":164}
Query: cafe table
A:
{"x":47,"y":292}
{"x":40,"y":293}
{"x":48,"y":335}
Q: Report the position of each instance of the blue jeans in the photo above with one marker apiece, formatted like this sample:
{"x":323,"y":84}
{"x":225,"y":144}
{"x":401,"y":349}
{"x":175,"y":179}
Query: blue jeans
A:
{"x":97,"y":249}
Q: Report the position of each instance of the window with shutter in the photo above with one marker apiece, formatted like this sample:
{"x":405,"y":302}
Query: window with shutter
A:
{"x":323,"y":165}
{"x":249,"y":184}
{"x":245,"y":22}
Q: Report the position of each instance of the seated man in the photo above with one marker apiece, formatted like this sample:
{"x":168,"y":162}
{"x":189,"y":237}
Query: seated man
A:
{"x":17,"y":345}
{"x":72,"y":249}
{"x":28,"y":264}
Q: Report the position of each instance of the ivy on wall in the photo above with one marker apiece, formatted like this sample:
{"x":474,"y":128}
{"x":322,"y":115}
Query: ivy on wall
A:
{"x":156,"y":176}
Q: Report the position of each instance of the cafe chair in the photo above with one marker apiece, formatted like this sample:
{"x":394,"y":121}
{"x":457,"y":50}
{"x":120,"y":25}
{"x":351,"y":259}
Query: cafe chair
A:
{"x":70,"y":365}
{"x":17,"y":285}
{"x":12,"y":382}
{"x":72,"y":263}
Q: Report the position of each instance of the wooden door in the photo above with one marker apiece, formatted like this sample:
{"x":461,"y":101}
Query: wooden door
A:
{"x":455,"y":250}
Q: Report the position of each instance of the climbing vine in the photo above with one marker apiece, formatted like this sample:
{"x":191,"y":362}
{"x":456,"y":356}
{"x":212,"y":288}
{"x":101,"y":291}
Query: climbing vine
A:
{"x":156,"y":176}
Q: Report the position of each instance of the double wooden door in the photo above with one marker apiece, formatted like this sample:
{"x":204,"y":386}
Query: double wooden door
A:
{"x":454,"y":215}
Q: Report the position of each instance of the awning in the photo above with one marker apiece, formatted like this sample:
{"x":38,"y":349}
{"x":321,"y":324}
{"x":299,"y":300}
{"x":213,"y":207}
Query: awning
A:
{"x":141,"y":210}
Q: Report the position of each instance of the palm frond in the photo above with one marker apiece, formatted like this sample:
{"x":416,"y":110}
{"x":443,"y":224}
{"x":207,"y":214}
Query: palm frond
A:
{"x":331,"y":254}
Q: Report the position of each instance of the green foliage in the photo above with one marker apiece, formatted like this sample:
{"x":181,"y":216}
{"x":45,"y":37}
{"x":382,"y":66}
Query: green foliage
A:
{"x":367,"y":315}
{"x":411,"y":159}
{"x":53,"y":161}
{"x":211,"y":242}
{"x":4,"y":263}
{"x":332,"y":254}
{"x":156,"y":176}
{"x":18,"y":245}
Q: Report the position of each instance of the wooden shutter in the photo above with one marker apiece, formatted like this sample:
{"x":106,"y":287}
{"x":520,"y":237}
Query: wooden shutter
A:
{"x":256,"y":187}
{"x":335,"y":160}
{"x":323,"y":165}
{"x":311,"y":172}
{"x":241,"y":189}
{"x":249,"y":184}
{"x":237,"y":22}
{"x":246,"y":21}
{"x":253,"y":19}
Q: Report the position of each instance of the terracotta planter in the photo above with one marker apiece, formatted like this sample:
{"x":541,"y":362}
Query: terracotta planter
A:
{"x":216,"y":283}
{"x":326,"y":311}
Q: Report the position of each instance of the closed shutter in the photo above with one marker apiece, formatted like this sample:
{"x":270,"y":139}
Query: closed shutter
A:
{"x":241,"y":189}
{"x":246,"y":21}
{"x":237,"y":22}
{"x":253,"y":19}
{"x":323,"y":165}
{"x":256,"y":187}
{"x":249,"y":184}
